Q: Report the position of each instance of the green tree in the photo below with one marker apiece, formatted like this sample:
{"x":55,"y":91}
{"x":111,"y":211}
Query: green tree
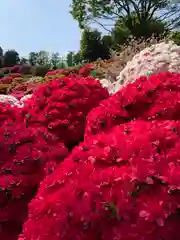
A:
{"x":110,"y":11}
{"x":33,"y":57}
{"x":11,"y":58}
{"x":62,"y":63}
{"x":1,"y":57}
{"x":175,"y":36}
{"x":55,"y":58}
{"x":121,"y":31}
{"x":43,"y":58}
{"x":92,"y":46}
{"x":77,"y":58}
{"x":23,"y":61}
{"x":70,"y":59}
{"x":107,"y":41}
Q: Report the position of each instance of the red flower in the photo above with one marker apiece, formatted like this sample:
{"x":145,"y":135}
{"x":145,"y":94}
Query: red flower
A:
{"x":50,"y":73}
{"x":8,"y":113}
{"x":115,"y":185}
{"x":6,"y":80}
{"x":15,"y":75}
{"x":85,"y":70}
{"x":61,"y":106}
{"x":156,"y":97}
{"x":27,"y":156}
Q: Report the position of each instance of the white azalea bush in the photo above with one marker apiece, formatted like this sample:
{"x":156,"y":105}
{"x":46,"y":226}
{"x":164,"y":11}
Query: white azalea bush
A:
{"x":25,"y":98}
{"x":107,"y":83}
{"x":161,"y":57}
{"x":9,"y":100}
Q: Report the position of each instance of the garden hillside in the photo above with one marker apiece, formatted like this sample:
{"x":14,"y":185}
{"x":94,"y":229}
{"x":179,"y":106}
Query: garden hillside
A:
{"x":84,"y":157}
{"x":90,"y":142}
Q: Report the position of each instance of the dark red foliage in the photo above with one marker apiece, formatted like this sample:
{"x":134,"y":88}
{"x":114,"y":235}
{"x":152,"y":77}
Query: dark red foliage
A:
{"x":122,"y":185}
{"x":156,"y":97}
{"x":62,"y":105}
{"x":27,"y":156}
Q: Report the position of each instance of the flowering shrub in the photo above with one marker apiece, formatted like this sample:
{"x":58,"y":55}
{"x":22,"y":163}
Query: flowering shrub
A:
{"x":6,"y":80}
{"x":51,"y":75}
{"x":40,"y":70}
{"x":149,"y":98}
{"x":35,"y":79}
{"x":16,"y":75}
{"x":61,"y":106}
{"x":85,"y":70}
{"x":17,"y":79}
{"x":7,"y":113}
{"x":107,"y":84}
{"x":121,"y":185}
{"x":9,"y":99}
{"x":17,"y":94}
{"x":25,"y":98}
{"x":27,"y":155}
{"x":15,"y":69}
{"x":19,"y":87}
{"x":19,"y":90}
{"x":160,"y":57}
{"x":26,"y":69}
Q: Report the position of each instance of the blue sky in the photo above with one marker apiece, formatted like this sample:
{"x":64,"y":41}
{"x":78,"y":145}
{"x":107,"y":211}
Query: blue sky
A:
{"x":34,"y":25}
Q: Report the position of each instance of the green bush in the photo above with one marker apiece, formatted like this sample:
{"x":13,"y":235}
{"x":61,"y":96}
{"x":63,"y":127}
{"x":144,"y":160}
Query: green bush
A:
{"x":26,"y":69}
{"x":175,"y":36}
{"x":1,"y":75}
{"x":40,"y":71}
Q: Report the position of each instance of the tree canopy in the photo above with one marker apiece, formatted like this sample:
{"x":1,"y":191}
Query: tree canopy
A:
{"x":108,"y":12}
{"x":93,"y":46}
{"x":11,"y":58}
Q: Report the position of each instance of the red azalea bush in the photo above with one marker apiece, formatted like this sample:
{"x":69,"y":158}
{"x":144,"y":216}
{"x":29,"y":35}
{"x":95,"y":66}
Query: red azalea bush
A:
{"x":15,"y":69}
{"x":122,"y":185}
{"x":19,"y":90}
{"x":85,"y":70}
{"x":27,"y":155}
{"x":17,"y":94}
{"x":15,"y":75}
{"x":62,"y":105}
{"x":8,"y":113}
{"x":82,"y":71}
{"x":6,"y":80}
{"x":20,"y":87}
{"x":61,"y":73}
{"x":156,"y":97}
